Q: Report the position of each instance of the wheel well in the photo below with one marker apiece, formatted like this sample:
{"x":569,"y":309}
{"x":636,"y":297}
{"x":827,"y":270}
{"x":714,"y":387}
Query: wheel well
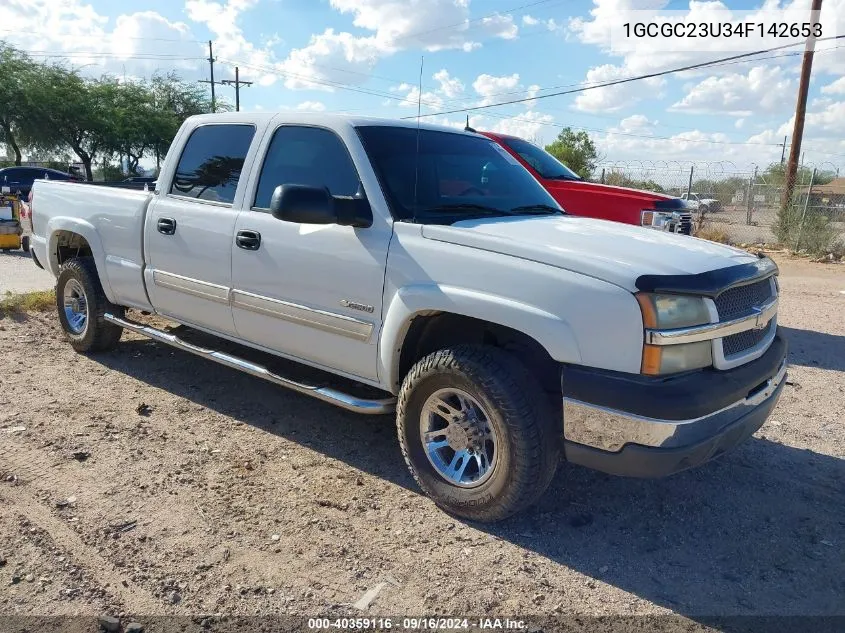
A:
{"x":427,"y":334}
{"x":70,"y":244}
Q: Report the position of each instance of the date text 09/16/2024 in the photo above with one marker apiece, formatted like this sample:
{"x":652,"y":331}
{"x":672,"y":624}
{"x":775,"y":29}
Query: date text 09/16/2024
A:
{"x":413,"y":624}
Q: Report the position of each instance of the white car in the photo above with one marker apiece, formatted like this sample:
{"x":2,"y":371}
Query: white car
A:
{"x":427,"y":263}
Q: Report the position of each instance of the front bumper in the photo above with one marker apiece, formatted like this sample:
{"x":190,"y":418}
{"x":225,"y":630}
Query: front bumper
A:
{"x":643,"y":427}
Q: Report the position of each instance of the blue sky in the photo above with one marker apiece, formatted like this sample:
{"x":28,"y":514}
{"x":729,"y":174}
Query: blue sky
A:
{"x":364,"y":56}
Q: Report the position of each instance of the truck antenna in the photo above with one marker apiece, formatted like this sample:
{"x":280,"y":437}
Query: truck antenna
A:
{"x":468,"y":128}
{"x":417,"y":156}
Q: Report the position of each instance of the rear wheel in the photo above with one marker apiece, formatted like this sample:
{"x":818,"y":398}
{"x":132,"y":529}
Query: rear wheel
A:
{"x":476,"y":432}
{"x":25,"y":243}
{"x":82,"y":304}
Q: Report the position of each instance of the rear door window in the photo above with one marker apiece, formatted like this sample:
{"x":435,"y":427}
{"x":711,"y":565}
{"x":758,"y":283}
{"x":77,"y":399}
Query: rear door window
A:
{"x":211,"y":163}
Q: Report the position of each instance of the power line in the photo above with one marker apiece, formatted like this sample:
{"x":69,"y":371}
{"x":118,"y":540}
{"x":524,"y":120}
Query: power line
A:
{"x":150,"y":39}
{"x":625,"y":80}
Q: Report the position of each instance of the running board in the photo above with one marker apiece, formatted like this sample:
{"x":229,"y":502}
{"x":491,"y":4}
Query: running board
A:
{"x":326,"y":394}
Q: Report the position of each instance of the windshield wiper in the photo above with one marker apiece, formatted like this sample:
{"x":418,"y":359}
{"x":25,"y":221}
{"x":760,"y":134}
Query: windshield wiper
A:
{"x":562,"y":177}
{"x":535,"y":208}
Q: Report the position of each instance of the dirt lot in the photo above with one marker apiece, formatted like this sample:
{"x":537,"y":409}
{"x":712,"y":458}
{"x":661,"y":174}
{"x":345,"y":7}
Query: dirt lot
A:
{"x":147,"y":481}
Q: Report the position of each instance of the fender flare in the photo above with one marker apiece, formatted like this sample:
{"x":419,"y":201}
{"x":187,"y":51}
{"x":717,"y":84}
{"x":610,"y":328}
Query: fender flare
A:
{"x":549,"y":330}
{"x":86,"y":230}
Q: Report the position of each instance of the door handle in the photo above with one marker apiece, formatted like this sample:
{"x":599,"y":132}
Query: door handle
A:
{"x":166,"y":226}
{"x":248,"y":240}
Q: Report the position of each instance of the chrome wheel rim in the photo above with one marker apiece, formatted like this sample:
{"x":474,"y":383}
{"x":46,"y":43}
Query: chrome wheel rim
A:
{"x":458,"y":438}
{"x":76,"y":306}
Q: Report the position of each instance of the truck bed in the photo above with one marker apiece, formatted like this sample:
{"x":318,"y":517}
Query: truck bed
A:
{"x":112,"y":216}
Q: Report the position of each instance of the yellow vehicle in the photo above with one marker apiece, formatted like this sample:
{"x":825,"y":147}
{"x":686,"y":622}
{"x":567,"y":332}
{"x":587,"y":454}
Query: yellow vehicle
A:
{"x":10,"y":224}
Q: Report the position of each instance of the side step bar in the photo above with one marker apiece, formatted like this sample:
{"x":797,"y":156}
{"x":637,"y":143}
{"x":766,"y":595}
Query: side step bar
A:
{"x":326,"y":394}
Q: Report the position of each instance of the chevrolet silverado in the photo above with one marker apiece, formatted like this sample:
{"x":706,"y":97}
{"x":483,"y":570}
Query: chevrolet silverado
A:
{"x":425,"y":272}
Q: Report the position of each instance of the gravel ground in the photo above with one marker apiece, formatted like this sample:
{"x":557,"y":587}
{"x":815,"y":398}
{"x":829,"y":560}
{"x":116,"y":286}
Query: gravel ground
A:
{"x":146,"y":481}
{"x":18,"y":273}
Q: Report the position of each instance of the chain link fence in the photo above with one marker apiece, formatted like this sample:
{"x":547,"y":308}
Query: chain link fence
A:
{"x":743,"y":207}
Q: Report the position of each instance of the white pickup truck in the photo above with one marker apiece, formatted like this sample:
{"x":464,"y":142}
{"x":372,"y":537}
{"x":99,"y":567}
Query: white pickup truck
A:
{"x":700,"y":203}
{"x":427,"y":265}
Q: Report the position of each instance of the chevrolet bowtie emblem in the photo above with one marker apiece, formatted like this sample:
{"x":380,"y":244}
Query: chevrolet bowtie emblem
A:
{"x":760,"y":322}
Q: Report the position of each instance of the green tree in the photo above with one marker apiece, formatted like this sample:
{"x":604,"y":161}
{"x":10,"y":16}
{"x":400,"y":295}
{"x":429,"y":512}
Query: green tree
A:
{"x":173,"y":101}
{"x":18,"y":74}
{"x":619,"y":179}
{"x":576,"y":150}
{"x":76,"y":113}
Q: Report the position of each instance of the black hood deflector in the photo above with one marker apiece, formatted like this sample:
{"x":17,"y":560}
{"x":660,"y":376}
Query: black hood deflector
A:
{"x":710,"y":283}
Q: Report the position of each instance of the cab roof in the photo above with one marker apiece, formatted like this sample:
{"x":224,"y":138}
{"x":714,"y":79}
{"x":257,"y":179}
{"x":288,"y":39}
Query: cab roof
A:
{"x":330,"y":120}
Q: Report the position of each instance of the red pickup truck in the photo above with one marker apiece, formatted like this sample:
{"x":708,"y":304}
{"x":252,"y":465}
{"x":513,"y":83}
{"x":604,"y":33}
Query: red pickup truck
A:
{"x":606,"y":202}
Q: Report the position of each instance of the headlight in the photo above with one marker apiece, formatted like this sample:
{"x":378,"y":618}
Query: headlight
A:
{"x":668,"y":312}
{"x":655,"y":219}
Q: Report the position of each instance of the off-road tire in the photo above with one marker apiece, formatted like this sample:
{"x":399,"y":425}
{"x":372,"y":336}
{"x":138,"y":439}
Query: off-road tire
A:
{"x":25,"y":243}
{"x":528,"y":447}
{"x":99,"y":335}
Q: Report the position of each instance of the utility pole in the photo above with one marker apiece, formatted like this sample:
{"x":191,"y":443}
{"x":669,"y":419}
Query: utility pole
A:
{"x":237,"y":83}
{"x":212,"y":82}
{"x":783,"y":150}
{"x":800,"y":109}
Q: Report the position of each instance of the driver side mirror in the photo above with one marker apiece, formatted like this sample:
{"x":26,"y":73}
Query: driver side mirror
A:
{"x":305,"y":204}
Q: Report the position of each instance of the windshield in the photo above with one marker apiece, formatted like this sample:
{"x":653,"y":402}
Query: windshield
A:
{"x":455,"y":176}
{"x":543,"y":163}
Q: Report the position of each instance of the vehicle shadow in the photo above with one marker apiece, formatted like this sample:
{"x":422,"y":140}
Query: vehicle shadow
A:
{"x":15,"y":253}
{"x":815,"y":349}
{"x":759,"y":532}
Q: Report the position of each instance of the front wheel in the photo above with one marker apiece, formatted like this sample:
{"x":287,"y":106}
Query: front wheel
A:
{"x":82,"y":305}
{"x":25,"y":243}
{"x":476,"y":432}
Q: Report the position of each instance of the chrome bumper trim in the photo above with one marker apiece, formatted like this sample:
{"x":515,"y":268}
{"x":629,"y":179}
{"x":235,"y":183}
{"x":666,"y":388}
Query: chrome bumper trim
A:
{"x":759,"y":319}
{"x":610,"y":429}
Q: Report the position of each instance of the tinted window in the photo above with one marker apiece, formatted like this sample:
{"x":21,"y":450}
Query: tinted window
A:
{"x":543,"y":163}
{"x":211,"y":162}
{"x":306,"y":156}
{"x":454,"y":175}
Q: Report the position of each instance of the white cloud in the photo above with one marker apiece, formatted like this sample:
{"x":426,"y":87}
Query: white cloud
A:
{"x":490,"y":87}
{"x":429,"y":100}
{"x":231,"y":44}
{"x":86,"y":40}
{"x":311,"y":106}
{"x":527,"y":125}
{"x":450,"y":86}
{"x":330,"y":57}
{"x":499,"y":25}
{"x":607,"y":16}
{"x":394,"y":25}
{"x":550,"y":24}
{"x":613,"y":98}
{"x":760,"y":90}
{"x":428,"y":24}
{"x":835,"y":88}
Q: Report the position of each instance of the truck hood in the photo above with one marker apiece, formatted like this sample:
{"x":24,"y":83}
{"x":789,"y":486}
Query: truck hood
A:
{"x":605,"y":190}
{"x":610,"y":251}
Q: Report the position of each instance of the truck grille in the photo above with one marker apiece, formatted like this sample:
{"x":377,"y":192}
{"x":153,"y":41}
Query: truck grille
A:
{"x":738,"y":302}
{"x":685,"y":224}
{"x":735,"y":344}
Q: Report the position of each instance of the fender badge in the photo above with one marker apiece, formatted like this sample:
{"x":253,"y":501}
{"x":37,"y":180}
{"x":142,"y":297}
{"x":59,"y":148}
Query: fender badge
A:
{"x":356,"y":306}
